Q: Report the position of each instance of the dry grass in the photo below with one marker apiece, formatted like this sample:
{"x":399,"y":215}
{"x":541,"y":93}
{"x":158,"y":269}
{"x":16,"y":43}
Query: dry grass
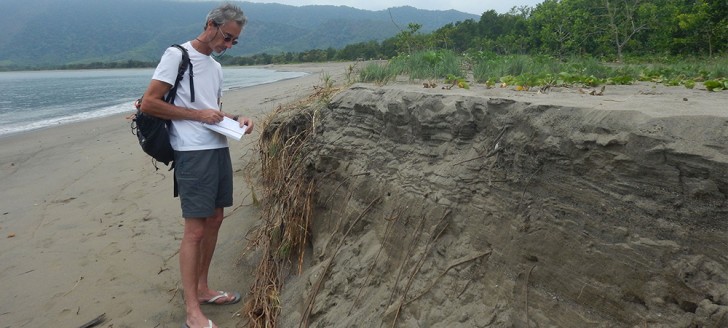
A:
{"x":287,"y":201}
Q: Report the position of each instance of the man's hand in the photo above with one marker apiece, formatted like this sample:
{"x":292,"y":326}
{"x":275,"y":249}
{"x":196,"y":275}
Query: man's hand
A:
{"x":209,"y":116}
{"x":248,"y":122}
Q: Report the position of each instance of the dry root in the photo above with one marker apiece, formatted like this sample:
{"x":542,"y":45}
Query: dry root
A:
{"x":287,"y":203}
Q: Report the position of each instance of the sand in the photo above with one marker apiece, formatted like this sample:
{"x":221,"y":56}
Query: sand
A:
{"x":504,"y":208}
{"x":88,"y":227}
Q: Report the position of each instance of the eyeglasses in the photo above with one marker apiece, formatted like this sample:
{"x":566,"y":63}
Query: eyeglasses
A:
{"x":227,"y":37}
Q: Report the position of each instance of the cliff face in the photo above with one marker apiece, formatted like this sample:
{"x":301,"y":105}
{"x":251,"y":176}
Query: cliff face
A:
{"x":463,"y":209}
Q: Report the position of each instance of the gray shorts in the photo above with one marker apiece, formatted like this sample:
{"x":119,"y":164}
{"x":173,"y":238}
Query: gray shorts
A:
{"x":204,"y":181}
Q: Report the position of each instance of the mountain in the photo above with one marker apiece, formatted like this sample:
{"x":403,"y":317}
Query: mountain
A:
{"x":50,"y":32}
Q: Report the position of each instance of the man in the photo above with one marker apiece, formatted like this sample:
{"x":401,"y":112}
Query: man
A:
{"x":202,"y":159}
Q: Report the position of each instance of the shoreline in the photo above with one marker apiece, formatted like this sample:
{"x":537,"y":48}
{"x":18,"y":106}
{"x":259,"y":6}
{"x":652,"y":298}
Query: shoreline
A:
{"x":111,"y":111}
{"x":88,"y":226}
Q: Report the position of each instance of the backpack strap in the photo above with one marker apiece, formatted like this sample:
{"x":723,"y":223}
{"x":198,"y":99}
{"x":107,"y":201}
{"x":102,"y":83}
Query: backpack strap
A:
{"x":183,"y":66}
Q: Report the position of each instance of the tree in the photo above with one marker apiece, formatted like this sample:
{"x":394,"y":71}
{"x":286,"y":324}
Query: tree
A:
{"x":623,"y":21}
{"x":489,"y":25}
{"x":463,"y":34}
{"x":514,"y":26}
{"x":362,"y":50}
{"x":663,"y":35}
{"x":706,"y":23}
{"x":554,"y":29}
{"x":409,"y":40}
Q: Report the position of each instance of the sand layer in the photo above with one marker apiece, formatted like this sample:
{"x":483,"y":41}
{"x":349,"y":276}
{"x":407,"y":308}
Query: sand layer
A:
{"x":497,"y":208}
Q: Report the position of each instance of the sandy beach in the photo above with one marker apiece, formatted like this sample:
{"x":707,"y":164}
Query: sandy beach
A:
{"x":88,"y":227}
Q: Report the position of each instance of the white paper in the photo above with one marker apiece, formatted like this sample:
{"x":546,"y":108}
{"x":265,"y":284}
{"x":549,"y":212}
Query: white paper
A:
{"x":228,"y":127}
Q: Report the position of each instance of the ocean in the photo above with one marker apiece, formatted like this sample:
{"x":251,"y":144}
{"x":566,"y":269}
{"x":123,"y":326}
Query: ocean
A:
{"x":32,"y":100}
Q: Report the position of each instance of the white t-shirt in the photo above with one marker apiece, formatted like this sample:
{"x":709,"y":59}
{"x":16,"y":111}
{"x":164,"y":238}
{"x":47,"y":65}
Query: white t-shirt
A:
{"x":188,"y":135}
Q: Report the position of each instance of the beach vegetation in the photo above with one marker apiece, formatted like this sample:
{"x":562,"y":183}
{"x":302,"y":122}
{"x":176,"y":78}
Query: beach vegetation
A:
{"x":422,"y":65}
{"x":524,"y":71}
{"x":716,"y":85}
{"x":287,"y":202}
{"x":456,"y":81}
{"x":428,"y":64}
{"x":378,"y":73}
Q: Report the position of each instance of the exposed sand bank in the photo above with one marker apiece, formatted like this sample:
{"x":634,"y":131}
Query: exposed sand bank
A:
{"x":498,"y":208}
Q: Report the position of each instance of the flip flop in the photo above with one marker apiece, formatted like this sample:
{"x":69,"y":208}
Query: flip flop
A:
{"x":212,"y":301}
{"x":209,"y":324}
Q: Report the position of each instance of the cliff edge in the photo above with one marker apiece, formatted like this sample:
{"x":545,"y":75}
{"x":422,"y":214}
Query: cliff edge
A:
{"x":496,"y":208}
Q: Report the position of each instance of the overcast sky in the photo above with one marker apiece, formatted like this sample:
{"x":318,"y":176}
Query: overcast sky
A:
{"x":476,"y":7}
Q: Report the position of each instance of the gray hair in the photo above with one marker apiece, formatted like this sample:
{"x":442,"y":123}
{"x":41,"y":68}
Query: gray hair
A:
{"x":226,"y":13}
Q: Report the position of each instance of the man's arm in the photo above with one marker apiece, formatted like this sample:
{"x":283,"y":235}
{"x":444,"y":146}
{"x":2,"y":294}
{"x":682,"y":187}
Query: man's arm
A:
{"x":154,"y":104}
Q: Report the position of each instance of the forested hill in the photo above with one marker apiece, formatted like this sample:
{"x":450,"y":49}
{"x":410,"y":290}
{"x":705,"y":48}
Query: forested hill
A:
{"x":50,"y":32}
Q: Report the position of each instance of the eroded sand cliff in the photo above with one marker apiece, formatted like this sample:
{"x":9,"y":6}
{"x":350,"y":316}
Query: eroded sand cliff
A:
{"x":494,"y":208}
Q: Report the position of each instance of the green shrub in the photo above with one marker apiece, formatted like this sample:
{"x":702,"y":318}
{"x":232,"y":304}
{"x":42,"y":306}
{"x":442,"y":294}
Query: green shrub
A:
{"x":531,"y":71}
{"x":429,"y":64}
{"x":377,"y":73}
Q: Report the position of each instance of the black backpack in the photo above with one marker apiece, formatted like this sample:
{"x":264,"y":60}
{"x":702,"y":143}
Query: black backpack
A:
{"x":153,"y":132}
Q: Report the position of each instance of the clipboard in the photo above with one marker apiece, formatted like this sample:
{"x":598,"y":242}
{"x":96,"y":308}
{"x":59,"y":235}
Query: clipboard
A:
{"x":228,"y":127}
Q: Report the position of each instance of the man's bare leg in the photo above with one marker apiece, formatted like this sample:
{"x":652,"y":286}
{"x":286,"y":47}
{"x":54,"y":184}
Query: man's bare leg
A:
{"x":190,"y":255}
{"x":207,"y":250}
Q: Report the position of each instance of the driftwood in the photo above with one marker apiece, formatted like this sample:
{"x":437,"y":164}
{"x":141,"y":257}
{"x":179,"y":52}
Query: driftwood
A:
{"x":95,"y":322}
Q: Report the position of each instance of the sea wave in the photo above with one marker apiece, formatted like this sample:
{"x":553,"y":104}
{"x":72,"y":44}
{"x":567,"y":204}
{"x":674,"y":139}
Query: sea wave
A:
{"x":122,"y":107}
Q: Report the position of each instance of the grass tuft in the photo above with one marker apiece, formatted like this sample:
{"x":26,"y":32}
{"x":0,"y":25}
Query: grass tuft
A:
{"x":287,"y":201}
